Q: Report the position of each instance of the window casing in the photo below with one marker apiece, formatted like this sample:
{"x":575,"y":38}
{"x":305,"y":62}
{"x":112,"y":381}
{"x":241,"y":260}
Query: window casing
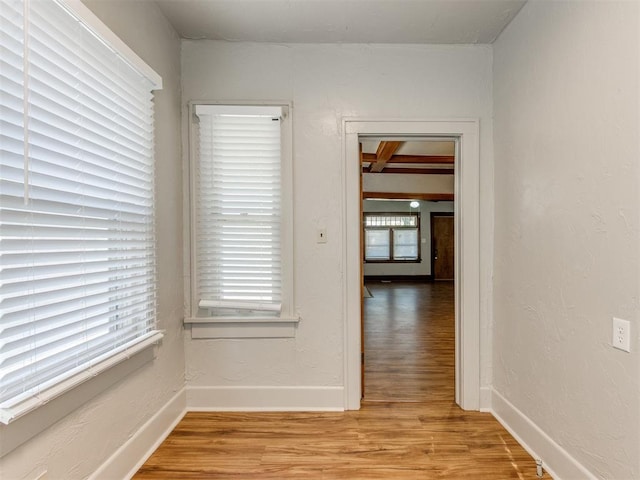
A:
{"x":241,"y":255}
{"x":392,"y":237}
{"x":77,"y":233}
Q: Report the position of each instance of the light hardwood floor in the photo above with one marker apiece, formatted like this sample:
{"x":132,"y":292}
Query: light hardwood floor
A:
{"x":409,"y":342}
{"x":408,"y":427}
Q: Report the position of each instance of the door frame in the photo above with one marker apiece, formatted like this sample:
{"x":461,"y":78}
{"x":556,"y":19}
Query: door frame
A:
{"x":432,"y":235}
{"x":467,"y":247}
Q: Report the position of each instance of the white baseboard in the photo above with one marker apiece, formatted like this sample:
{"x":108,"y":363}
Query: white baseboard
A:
{"x":485,"y":399}
{"x":255,"y":399}
{"x":556,"y":460}
{"x":126,"y":461}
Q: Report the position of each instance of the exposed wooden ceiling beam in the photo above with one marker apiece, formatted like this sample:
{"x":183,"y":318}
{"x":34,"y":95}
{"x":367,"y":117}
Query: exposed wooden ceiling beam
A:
{"x":408,"y":196}
{"x":419,"y":171}
{"x":434,"y":159}
{"x":384,"y":153}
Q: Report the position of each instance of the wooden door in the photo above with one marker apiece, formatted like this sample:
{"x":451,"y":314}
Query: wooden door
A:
{"x":442,"y":246}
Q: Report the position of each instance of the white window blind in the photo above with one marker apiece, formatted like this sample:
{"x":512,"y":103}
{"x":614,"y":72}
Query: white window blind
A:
{"x":405,"y":244}
{"x":77,"y":241}
{"x":238,"y":210}
{"x":377,"y":244}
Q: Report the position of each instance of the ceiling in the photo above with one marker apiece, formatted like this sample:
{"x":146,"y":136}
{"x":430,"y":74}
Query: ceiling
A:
{"x":430,"y":164}
{"x":342,"y":21}
{"x":430,"y":157}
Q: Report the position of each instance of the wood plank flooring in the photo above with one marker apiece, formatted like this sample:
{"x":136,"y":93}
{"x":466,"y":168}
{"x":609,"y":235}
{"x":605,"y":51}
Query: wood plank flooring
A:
{"x":409,"y":340}
{"x":408,"y":427}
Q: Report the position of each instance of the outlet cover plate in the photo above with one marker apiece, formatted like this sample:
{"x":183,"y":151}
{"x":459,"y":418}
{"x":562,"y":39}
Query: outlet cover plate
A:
{"x":621,"y":335}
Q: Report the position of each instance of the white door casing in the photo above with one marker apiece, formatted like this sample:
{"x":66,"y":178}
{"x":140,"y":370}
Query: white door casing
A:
{"x":467,"y":246}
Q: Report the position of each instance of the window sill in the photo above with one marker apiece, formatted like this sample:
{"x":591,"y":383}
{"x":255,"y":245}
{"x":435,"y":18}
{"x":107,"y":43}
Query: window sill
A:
{"x":30,"y":423}
{"x":242,"y":327}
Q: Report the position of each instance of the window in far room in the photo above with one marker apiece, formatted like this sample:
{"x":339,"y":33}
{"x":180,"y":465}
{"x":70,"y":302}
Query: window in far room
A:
{"x":392,"y":237}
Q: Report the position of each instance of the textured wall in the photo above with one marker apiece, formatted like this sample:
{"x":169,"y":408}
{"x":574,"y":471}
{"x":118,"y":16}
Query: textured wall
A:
{"x":327,"y":83}
{"x":78,"y":444}
{"x":567,"y":241}
{"x":372,"y":182}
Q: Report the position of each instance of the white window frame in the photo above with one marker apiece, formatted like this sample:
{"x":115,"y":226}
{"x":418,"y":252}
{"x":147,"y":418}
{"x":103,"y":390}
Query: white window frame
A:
{"x":33,"y":415}
{"x":239,"y":325}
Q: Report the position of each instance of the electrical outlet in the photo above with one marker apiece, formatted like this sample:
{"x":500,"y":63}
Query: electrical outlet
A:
{"x":621,"y":338}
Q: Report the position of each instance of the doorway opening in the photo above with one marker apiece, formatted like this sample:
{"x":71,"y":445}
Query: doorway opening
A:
{"x":408,"y":329}
{"x":466,"y":294}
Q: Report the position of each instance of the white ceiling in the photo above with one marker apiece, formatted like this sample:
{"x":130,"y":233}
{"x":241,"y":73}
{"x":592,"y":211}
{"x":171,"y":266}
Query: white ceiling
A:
{"x":342,"y":21}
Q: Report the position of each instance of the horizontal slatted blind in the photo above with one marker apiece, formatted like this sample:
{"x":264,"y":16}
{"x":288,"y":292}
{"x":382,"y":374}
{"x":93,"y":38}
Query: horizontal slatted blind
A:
{"x":239,"y":209}
{"x":77,"y":241}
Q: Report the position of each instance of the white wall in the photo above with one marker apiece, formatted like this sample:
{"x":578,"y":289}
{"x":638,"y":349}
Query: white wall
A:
{"x":422,"y":268}
{"x":407,"y":183}
{"x":327,"y":83}
{"x":78,"y":444}
{"x":567,"y":241}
